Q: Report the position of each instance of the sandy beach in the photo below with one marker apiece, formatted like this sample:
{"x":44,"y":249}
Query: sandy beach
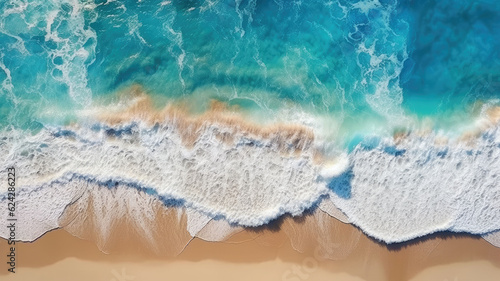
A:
{"x":249,"y":256}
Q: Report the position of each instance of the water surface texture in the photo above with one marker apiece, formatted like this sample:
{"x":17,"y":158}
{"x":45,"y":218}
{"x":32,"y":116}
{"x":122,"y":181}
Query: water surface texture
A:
{"x":246,"y":110}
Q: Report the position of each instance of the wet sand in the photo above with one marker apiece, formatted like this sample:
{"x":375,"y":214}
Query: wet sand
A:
{"x":263,"y":256}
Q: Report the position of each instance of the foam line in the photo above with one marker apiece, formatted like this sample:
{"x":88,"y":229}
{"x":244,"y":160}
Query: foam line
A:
{"x":397,"y":193}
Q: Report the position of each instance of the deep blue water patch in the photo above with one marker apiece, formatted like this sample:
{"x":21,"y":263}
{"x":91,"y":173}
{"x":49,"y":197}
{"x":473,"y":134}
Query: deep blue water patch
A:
{"x":341,"y":185}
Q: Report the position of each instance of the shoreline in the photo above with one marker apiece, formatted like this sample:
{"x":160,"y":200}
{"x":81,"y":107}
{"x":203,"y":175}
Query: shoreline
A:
{"x":269,"y":256}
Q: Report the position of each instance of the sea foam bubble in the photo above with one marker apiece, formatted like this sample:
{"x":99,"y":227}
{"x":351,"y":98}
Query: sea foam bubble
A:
{"x":217,"y":166}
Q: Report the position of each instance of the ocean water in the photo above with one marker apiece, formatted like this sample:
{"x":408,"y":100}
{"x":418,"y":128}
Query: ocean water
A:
{"x":381,"y":113}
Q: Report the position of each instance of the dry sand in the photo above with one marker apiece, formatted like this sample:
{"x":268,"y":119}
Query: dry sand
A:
{"x":247,"y":256}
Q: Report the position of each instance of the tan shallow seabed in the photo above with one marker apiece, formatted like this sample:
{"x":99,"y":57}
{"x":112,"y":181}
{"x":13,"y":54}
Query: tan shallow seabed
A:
{"x":257,"y":255}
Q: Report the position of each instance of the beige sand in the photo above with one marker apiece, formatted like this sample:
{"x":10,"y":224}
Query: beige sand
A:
{"x":60,"y":256}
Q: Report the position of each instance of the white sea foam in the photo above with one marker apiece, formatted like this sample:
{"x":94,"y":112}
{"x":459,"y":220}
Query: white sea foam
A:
{"x":71,"y":47}
{"x":38,"y":209}
{"x":335,"y":169}
{"x":401,"y":192}
{"x":248,"y":183}
{"x":387,"y":55}
{"x":70,"y":42}
{"x":393,"y":192}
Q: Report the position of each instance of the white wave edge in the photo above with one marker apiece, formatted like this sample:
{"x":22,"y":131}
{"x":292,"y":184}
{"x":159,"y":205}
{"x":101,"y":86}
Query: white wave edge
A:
{"x":444,"y":209}
{"x":425,"y":188}
{"x":249,"y":183}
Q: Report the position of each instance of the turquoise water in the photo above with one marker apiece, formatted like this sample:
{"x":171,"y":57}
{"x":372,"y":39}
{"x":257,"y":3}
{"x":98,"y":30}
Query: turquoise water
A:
{"x":352,"y":60}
